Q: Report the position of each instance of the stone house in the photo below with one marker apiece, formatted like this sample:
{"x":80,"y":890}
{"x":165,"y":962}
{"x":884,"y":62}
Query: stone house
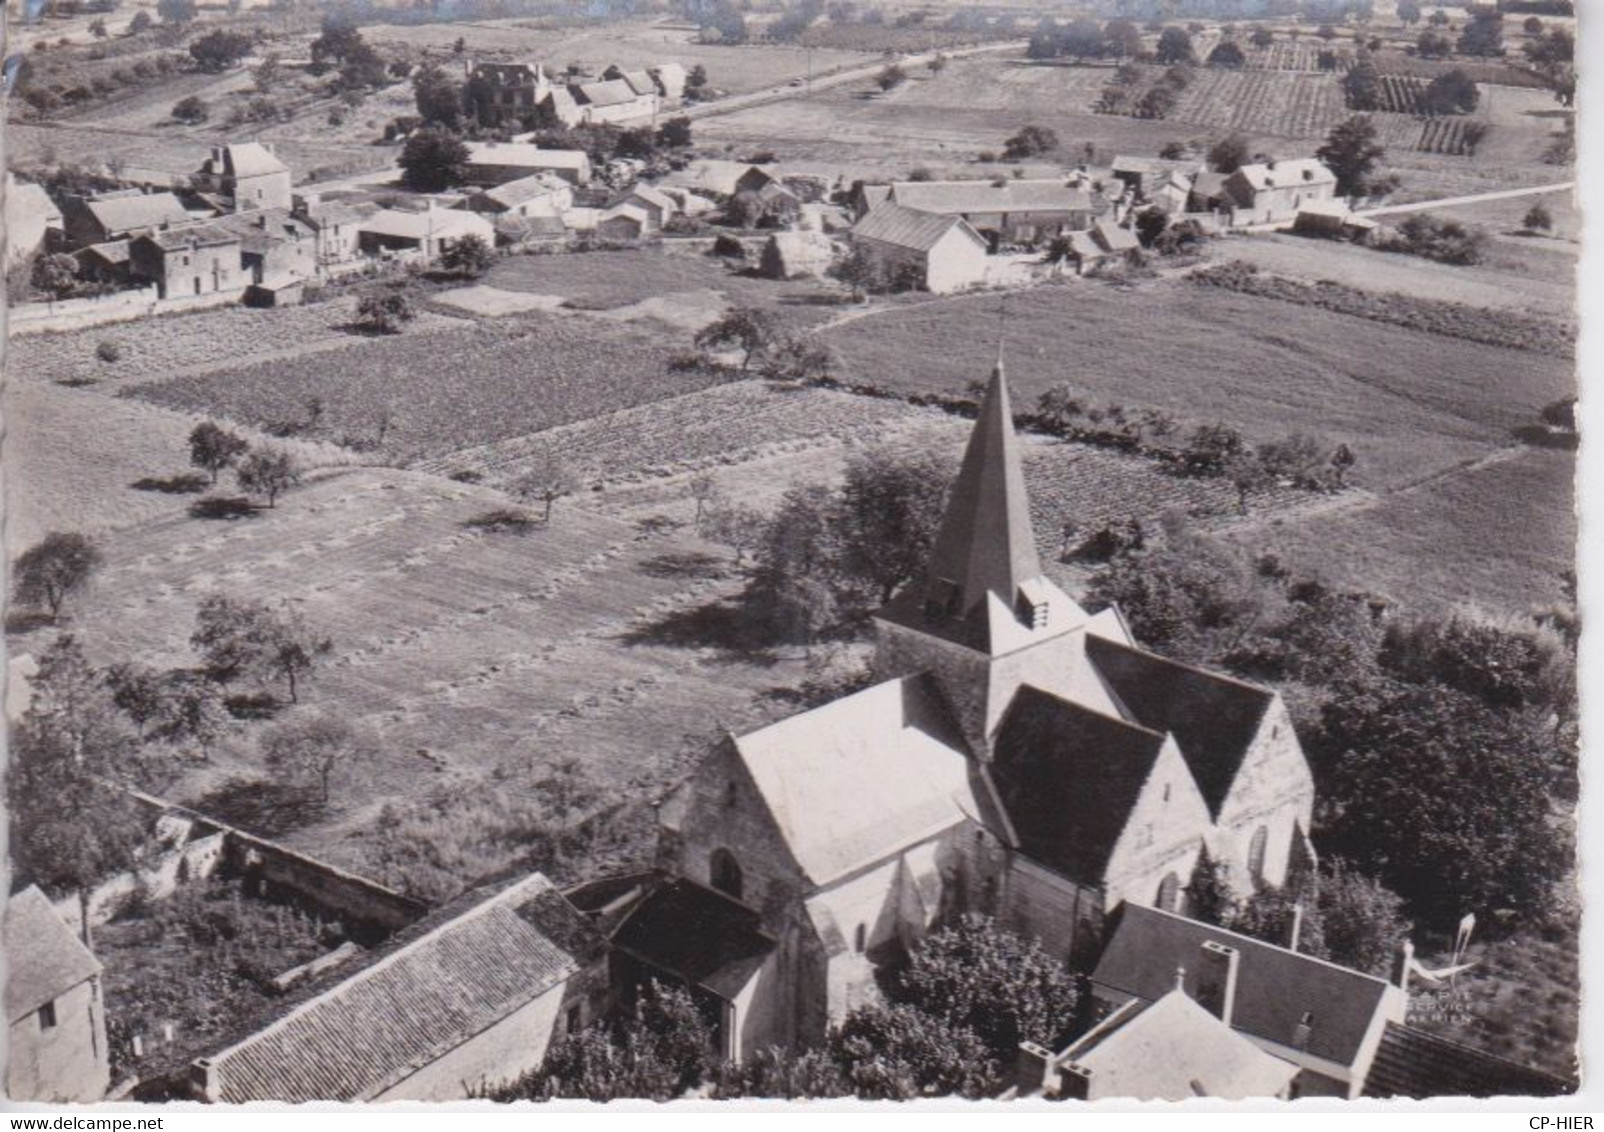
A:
{"x":509,"y":92}
{"x":1018,"y":757}
{"x":496,"y":163}
{"x":248,"y":174}
{"x":1007,"y":211}
{"x":198,"y":259}
{"x":540,"y":194}
{"x":427,"y":233}
{"x":942,"y":254}
{"x":658,"y":206}
{"x":335,"y":227}
{"x":56,"y":1048}
{"x":275,"y":244}
{"x":624,"y":222}
{"x":1273,"y":191}
{"x":31,"y":219}
{"x":117,"y":215}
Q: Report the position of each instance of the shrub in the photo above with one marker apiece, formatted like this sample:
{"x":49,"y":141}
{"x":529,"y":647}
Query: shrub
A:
{"x":108,"y":351}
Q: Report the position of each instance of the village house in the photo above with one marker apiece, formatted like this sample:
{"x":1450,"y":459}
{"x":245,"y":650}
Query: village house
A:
{"x":1273,"y":191}
{"x":518,"y":93}
{"x":198,"y":259}
{"x":275,"y":244}
{"x":56,"y":1048}
{"x":248,"y":175}
{"x":942,"y":254}
{"x":1018,"y":757}
{"x":31,"y":219}
{"x":1005,"y":212}
{"x":1102,"y":242}
{"x":335,"y":227}
{"x":427,"y":232}
{"x":117,"y":215}
{"x":470,"y":996}
{"x":1145,"y":176}
{"x":541,"y":194}
{"x":507,"y":93}
{"x":496,"y":163}
{"x":624,"y":222}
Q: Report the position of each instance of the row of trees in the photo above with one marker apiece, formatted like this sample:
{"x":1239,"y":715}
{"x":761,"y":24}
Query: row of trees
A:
{"x":265,"y":470}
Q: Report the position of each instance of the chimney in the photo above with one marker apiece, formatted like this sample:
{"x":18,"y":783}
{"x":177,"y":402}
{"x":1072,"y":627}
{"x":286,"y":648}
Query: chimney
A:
{"x":1401,"y":965}
{"x":204,"y":1080}
{"x":1074,"y":1082}
{"x":1180,"y":978}
{"x":1297,"y":927}
{"x":1216,"y":990}
{"x":1033,"y":1069}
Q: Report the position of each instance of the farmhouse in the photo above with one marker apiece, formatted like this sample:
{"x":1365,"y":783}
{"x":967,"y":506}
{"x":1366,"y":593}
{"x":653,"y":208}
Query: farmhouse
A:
{"x":248,"y":175}
{"x":198,"y":259}
{"x":55,"y":1016}
{"x":508,"y":92}
{"x":515,"y":93}
{"x":541,"y":194}
{"x":624,"y":222}
{"x":469,"y":996}
{"x":335,"y":227}
{"x":1006,"y":212}
{"x":428,"y":232}
{"x":942,"y":254}
{"x":1144,"y":176}
{"x":31,"y":216}
{"x":1017,"y":757}
{"x":274,"y":244}
{"x":1273,"y":191}
{"x":117,"y":215}
{"x":1102,"y":241}
{"x":719,"y":177}
{"x":496,"y":163}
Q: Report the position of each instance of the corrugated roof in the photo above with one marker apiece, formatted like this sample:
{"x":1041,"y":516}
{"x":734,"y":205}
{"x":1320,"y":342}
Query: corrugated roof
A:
{"x":363,"y":1035}
{"x":863,"y":777}
{"x":952,"y":198}
{"x":1068,"y":778}
{"x":1175,"y":1049}
{"x":1275,"y":987}
{"x":44,"y":958}
{"x":145,"y":210}
{"x":892,"y":224}
{"x":1414,"y":1063}
{"x":1213,"y":717}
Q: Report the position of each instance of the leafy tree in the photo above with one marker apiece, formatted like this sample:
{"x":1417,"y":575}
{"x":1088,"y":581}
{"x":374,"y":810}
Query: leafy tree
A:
{"x":1451,"y":93}
{"x":734,"y":525}
{"x":1446,"y":241}
{"x":97,"y":28}
{"x":1227,"y":54}
{"x":1439,"y":18}
{"x":1362,"y":85}
{"x":752,"y":330}
{"x":1210,"y":449}
{"x":1508,"y":668}
{"x":189,"y":710}
{"x":1362,"y":922}
{"x":697,"y":79}
{"x":176,"y":12}
{"x":1174,"y":46}
{"x":308,"y":749}
{"x":338,"y":39}
{"x":1431,"y":45}
{"x":1531,"y":25}
{"x":1556,"y":48}
{"x":900,"y":1053}
{"x":1173,"y":151}
{"x":438,"y":97}
{"x":1268,"y":914}
{"x":1409,"y":12}
{"x":1082,"y":39}
{"x":56,"y":275}
{"x":140,"y":23}
{"x":891,"y":507}
{"x":221,"y":49}
{"x":774,"y":1074}
{"x":1002,"y":987}
{"x":268,"y":72}
{"x":1030,"y":141}
{"x":1157,"y":102}
{"x":1229,"y":154}
{"x":1352,"y":152}
{"x":799,"y":586}
{"x":213,"y":448}
{"x":548,"y":479}
{"x":53,"y":569}
{"x":293,"y":649}
{"x":469,"y":256}
{"x":1484,"y":34}
{"x":675,"y":133}
{"x":1122,"y":39}
{"x":1262,"y":37}
{"x":268,"y":471}
{"x":890,"y":77}
{"x":384,"y":312}
{"x":1209,"y":895}
{"x":137,"y":691}
{"x":433,"y":159}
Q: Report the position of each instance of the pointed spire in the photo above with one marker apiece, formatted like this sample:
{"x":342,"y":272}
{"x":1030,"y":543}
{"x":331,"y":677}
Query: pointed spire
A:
{"x":985,"y":544}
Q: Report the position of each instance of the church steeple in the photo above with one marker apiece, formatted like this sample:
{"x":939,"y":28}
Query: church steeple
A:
{"x":985,"y":544}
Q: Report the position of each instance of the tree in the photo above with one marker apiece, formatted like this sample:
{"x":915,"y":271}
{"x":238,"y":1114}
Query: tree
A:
{"x":890,"y":77}
{"x":176,"y":12}
{"x":233,"y":637}
{"x":338,"y":39}
{"x":53,"y":569}
{"x":1452,"y":93}
{"x":1150,"y":224}
{"x":221,"y":49}
{"x":293,"y":649}
{"x":189,"y":708}
{"x":1352,"y":152}
{"x":1174,"y":46}
{"x":1270,"y":913}
{"x":1431,"y":45}
{"x":1262,"y":37}
{"x":384,"y":312}
{"x":1002,"y":987}
{"x":1362,"y":922}
{"x":734,"y":525}
{"x":1030,"y":141}
{"x":1229,"y":154}
{"x":308,"y":749}
{"x":1209,"y":896}
{"x":97,"y":28}
{"x":1409,"y":12}
{"x":1439,"y":18}
{"x":697,"y":79}
{"x":891,"y":508}
{"x":268,"y":72}
{"x":1157,"y":102}
{"x":140,"y":23}
{"x":1531,"y":25}
{"x":675,"y":133}
{"x":433,"y":159}
{"x":438,"y":98}
{"x":1552,"y":50}
{"x":704,"y":491}
{"x":898,"y":1052}
{"x":268,"y":471}
{"x":213,"y":448}
{"x":548,"y":479}
{"x":1484,"y":34}
{"x":1362,"y":85}
{"x":774,"y":1074}
{"x":1538,"y":219}
{"x":191,"y":110}
{"x":752,"y":330}
{"x":1227,"y":54}
{"x":1082,"y":39}
{"x":469,"y":256}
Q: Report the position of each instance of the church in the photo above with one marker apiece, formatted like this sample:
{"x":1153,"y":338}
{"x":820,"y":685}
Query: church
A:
{"x":1016,"y":756}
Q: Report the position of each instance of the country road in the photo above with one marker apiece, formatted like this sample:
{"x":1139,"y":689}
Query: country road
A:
{"x":1477,"y":198}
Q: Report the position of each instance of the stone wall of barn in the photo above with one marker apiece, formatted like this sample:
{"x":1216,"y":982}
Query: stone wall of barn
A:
{"x":60,"y":1056}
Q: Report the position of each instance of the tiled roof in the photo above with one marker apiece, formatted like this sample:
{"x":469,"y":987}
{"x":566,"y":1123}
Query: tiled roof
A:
{"x":114,"y":252}
{"x":639,"y":81}
{"x":954,"y":197}
{"x":361,"y":1036}
{"x":863,"y":777}
{"x":251,"y":159}
{"x":531,"y":227}
{"x":692,"y":931}
{"x":1115,"y":239}
{"x":524,"y":189}
{"x":608,"y":92}
{"x":1287,"y":174}
{"x":210,"y":234}
{"x":124,"y":213}
{"x":1275,"y":987}
{"x":437,"y":224}
{"x":1068,"y":778}
{"x":906,"y":228}
{"x":1214,"y":718}
{"x":326,"y":214}
{"x":1414,"y":1063}
{"x":261,"y":229}
{"x":44,"y":958}
{"x":652,"y":196}
{"x":527,"y":155}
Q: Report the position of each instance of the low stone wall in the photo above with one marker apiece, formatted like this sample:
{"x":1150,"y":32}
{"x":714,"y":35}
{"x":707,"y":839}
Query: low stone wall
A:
{"x":120,"y":306}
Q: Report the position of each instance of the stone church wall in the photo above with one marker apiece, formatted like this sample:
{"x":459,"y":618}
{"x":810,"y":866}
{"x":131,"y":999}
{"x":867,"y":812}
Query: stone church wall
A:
{"x":1274,"y":790}
{"x":1165,"y":834}
{"x":1064,"y":917}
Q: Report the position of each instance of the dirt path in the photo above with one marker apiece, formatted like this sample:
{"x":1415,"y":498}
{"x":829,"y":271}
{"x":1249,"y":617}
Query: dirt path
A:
{"x":1476,"y":198}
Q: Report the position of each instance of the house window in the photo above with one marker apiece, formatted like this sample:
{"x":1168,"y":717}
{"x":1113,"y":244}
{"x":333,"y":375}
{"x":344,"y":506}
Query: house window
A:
{"x":860,"y":939}
{"x":1256,"y":847}
{"x":47,"y":1016}
{"x":726,"y":873}
{"x":1166,"y":791}
{"x":1169,"y":891}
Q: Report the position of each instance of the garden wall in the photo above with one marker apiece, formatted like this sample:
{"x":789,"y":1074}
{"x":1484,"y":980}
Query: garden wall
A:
{"x":120,"y":306}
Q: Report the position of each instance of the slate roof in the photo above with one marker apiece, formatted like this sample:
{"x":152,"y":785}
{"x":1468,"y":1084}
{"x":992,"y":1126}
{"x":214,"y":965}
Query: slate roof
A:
{"x":639,"y":81}
{"x":415,"y":1001}
{"x":1209,"y":186}
{"x":1287,"y":174}
{"x":44,"y":957}
{"x":693,"y":932}
{"x":1174,"y":1049}
{"x":326,"y":214}
{"x":901,"y":227}
{"x":862,"y":778}
{"x":952,"y":198}
{"x":1275,"y":987}
{"x":1214,"y":718}
{"x":209,"y":234}
{"x":1068,"y":778}
{"x":124,"y":213}
{"x":112,"y":252}
{"x":608,"y":92}
{"x":247,"y":159}
{"x":531,"y":227}
{"x":1414,"y":1063}
{"x":256,"y":236}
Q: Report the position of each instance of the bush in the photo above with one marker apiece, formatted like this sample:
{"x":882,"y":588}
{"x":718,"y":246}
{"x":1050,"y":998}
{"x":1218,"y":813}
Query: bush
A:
{"x":1446,"y":241}
{"x":191,"y":110}
{"x":108,"y":351}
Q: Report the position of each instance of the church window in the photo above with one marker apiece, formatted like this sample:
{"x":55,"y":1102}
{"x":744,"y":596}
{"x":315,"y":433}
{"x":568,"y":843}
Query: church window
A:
{"x":47,"y":1016}
{"x":1256,"y":847}
{"x":1169,"y":891}
{"x":860,"y":939}
{"x":726,"y":873}
{"x":1166,"y":791}
{"x":731,"y":792}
